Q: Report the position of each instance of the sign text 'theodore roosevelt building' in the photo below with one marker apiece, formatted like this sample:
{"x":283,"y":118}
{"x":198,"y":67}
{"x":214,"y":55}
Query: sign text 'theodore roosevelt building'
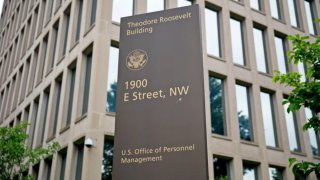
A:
{"x":160,"y":127}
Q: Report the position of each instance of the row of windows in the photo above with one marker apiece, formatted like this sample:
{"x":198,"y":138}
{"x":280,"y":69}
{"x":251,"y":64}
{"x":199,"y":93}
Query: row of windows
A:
{"x":239,"y":43}
{"x":222,"y":166}
{"x":55,"y":105}
{"x":54,"y":43}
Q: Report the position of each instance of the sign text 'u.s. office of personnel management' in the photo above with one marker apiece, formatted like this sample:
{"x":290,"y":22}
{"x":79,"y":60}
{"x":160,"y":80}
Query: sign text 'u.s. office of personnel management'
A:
{"x":160,"y":120}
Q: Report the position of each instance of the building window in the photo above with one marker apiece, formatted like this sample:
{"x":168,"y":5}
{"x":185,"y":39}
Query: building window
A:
{"x":112,"y":79}
{"x":41,"y":16}
{"x":281,"y":54}
{"x":275,"y":9}
{"x":268,"y":119}
{"x":107,"y":161}
{"x":54,"y":37}
{"x":260,"y":50}
{"x":308,"y":4}
{"x":24,"y":80}
{"x":49,"y":11}
{"x":43,"y":57}
{"x":78,"y":18}
{"x":33,"y":69}
{"x":35,"y":171}
{"x":16,"y":93}
{"x":243,"y":112}
{"x":182,"y":3}
{"x":65,"y":31}
{"x":43,"y":116}
{"x":47,"y":168}
{"x":314,"y":137}
{"x":78,"y":161}
{"x":302,"y":70}
{"x":72,"y":69}
{"x":93,"y":11}
{"x":218,"y":124}
{"x":155,"y":5}
{"x":275,"y":173}
{"x":55,"y":106}
{"x":256,"y":4}
{"x":86,"y":83}
{"x":250,"y":171}
{"x":33,"y":122}
{"x":61,"y":166}
{"x":121,"y":8}
{"x":212,"y":32}
{"x":237,"y":42}
{"x":221,"y":168}
{"x":293,"y":12}
{"x":292,"y":128}
{"x":34,"y":24}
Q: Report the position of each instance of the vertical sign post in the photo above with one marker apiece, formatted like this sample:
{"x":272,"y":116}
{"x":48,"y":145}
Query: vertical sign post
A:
{"x":160,"y":119}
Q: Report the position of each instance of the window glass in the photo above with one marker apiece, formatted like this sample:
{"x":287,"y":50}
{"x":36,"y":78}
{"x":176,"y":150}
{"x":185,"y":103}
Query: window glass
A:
{"x":281,"y":55}
{"x":310,"y":16}
{"x":293,"y":13}
{"x":121,"y":8}
{"x":237,"y":42}
{"x":301,"y":69}
{"x":212,"y":32}
{"x":250,"y":172}
{"x":292,"y":130}
{"x":259,"y":46}
{"x":255,"y":4}
{"x":268,"y":119}
{"x":243,"y":112}
{"x":221,"y":168}
{"x":314,"y":139}
{"x":217,"y":106}
{"x":107,"y":161}
{"x":182,"y":3}
{"x":112,"y":79}
{"x":275,"y":173}
{"x":87,"y":80}
{"x":275,"y":9}
{"x":155,"y":5}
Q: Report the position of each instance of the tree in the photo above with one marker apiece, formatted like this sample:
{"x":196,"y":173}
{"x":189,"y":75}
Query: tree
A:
{"x":15,"y":157}
{"x":305,"y":92}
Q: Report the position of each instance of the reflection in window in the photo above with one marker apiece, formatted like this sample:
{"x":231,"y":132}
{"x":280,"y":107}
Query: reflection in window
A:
{"x":292,"y":130}
{"x":212,"y":32}
{"x":221,"y":168}
{"x":259,"y":46}
{"x":243,"y":112}
{"x":255,"y":4}
{"x":310,"y":16}
{"x":293,"y":13}
{"x":237,"y":42}
{"x":314,"y":138}
{"x":250,"y":172}
{"x":182,"y":3}
{"x":268,"y":119}
{"x":217,"y":106}
{"x":107,"y":160}
{"x":275,"y":9}
{"x":275,"y":173}
{"x":302,"y":71}
{"x":155,"y":5}
{"x":121,"y":8}
{"x":112,"y":79}
{"x":281,"y":54}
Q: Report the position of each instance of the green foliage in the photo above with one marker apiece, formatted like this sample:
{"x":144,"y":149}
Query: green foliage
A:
{"x":15,"y":157}
{"x":305,"y":93}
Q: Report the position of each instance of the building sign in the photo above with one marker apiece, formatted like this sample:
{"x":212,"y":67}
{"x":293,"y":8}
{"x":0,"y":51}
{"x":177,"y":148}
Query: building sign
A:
{"x":160,"y":120}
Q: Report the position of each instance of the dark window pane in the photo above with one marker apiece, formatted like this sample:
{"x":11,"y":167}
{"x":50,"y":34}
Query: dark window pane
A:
{"x":250,"y":172}
{"x":217,"y":106}
{"x":112,"y":79}
{"x":107,"y":160}
{"x":221,"y":168}
{"x":275,"y":173}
